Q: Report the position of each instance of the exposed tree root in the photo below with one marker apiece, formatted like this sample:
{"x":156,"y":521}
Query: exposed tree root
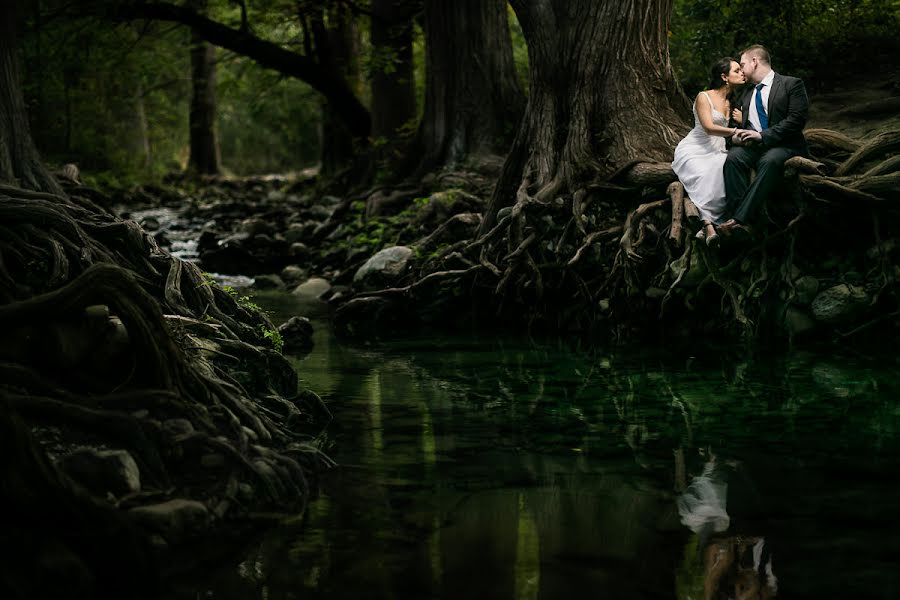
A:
{"x":107,"y":335}
{"x":556,"y":247}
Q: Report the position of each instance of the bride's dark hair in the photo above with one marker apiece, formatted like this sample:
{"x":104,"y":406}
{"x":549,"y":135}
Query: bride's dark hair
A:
{"x":719,"y":68}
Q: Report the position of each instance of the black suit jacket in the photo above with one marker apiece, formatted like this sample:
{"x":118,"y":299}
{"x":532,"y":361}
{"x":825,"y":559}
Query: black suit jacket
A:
{"x":788,"y":110}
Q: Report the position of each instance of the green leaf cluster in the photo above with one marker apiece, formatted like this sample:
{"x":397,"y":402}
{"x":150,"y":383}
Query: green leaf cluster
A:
{"x":814,"y":39}
{"x":274,"y":338}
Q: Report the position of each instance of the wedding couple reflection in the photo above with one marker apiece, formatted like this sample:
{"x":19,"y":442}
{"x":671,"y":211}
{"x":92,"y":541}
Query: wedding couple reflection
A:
{"x":720,"y":563}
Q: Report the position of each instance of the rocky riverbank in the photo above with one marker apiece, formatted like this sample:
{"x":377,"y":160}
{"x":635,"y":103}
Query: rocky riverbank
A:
{"x":627,"y":266}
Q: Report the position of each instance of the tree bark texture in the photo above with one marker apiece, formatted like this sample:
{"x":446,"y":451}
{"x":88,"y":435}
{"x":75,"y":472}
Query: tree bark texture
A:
{"x":602,"y":93}
{"x":393,"y":80}
{"x":19,"y":160}
{"x":603,"y":88}
{"x":204,"y":158}
{"x":473,"y":99}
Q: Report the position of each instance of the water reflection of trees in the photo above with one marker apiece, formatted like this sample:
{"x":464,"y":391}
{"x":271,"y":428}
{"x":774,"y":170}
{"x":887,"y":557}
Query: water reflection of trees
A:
{"x":562,"y":468}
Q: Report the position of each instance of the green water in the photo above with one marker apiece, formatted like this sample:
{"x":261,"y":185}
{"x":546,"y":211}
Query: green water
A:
{"x":509,"y":469}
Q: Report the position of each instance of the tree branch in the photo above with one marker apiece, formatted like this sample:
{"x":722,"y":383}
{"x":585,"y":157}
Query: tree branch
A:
{"x":267,"y":54}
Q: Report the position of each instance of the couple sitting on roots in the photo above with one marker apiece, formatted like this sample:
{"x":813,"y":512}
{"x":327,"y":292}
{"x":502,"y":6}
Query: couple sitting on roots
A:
{"x":763,"y":129}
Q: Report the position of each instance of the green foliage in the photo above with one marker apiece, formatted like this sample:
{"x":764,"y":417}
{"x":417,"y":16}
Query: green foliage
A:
{"x":815,"y":39}
{"x":372,"y":236}
{"x":520,"y":49}
{"x":245,"y":302}
{"x":274,"y":338}
{"x":382,"y":59}
{"x":419,"y":68}
{"x":115,"y":98}
{"x":104,"y":97}
{"x":267,"y":123}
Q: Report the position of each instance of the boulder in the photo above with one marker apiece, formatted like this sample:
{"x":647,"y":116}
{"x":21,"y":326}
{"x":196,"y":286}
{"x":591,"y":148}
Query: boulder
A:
{"x":382,"y":203}
{"x":256,"y":226}
{"x":384,"y":269}
{"x":102,"y":471}
{"x":298,"y":250}
{"x":299,"y":232}
{"x":312,"y":288}
{"x":805,"y":290}
{"x":231,"y":258}
{"x":292,"y":274}
{"x":208,"y":240}
{"x":798,"y":321}
{"x":175,"y":520}
{"x":444,"y":204}
{"x":840,"y":304}
{"x":317,"y":212}
{"x":268,"y":282}
{"x":297,"y":334}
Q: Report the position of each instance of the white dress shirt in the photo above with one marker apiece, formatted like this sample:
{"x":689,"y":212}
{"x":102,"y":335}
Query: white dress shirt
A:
{"x":754,"y":116}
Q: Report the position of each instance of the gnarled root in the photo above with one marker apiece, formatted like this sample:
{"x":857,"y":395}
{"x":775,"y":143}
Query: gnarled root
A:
{"x":109,"y":336}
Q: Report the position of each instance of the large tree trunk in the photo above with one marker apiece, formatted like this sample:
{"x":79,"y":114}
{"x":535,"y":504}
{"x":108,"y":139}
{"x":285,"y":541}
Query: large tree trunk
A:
{"x":337,"y":48}
{"x":603,"y":94}
{"x":393,"y":81}
{"x":204,"y":157}
{"x":19,"y":160}
{"x":473,"y":100}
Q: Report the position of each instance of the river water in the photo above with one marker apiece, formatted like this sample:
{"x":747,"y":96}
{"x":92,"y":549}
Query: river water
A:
{"x":503,"y":468}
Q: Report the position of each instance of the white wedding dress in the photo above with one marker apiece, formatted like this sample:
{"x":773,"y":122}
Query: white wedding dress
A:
{"x":698,"y":163}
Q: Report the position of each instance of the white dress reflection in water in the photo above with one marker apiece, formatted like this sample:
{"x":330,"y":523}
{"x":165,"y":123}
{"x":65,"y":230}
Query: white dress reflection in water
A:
{"x":735,"y":567}
{"x":702,"y":505}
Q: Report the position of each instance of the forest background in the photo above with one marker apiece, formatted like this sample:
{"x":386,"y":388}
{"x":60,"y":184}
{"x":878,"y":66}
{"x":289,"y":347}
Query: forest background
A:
{"x":116,"y":100}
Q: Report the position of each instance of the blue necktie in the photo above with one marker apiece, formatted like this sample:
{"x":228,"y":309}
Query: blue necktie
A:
{"x":760,"y":109}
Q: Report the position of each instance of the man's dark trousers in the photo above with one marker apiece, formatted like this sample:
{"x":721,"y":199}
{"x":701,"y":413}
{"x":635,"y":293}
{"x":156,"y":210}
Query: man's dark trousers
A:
{"x":745,"y":198}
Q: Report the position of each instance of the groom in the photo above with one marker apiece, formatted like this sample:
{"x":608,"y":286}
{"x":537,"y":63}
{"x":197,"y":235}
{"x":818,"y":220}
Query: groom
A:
{"x":774,"y":111}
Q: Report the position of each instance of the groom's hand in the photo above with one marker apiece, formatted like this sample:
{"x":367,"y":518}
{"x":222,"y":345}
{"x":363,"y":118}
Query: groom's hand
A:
{"x":746,"y":135}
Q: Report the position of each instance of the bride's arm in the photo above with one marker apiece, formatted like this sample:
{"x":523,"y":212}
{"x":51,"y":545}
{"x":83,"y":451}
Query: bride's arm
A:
{"x":704,"y":113}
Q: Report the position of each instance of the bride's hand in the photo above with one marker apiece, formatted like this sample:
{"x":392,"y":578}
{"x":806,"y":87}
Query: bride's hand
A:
{"x":737,"y":115}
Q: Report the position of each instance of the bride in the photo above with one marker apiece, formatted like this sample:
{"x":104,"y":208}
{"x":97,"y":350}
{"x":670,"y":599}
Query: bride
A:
{"x":699,"y":157}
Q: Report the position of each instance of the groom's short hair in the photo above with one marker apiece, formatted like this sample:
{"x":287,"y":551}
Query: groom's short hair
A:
{"x":759,"y":51}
